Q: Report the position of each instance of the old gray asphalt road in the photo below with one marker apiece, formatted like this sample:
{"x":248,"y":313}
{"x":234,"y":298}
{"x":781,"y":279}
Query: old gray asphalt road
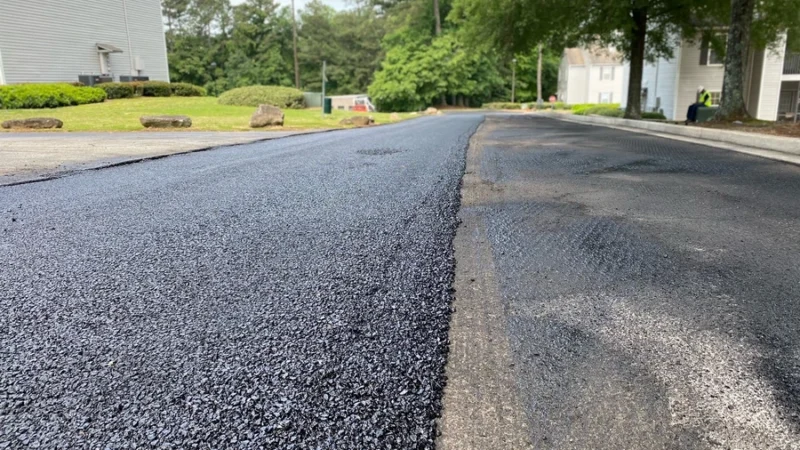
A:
{"x":284,"y":294}
{"x":650,"y":291}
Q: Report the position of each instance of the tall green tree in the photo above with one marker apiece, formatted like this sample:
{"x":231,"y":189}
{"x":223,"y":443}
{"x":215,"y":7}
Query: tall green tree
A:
{"x":641,"y":29}
{"x":260,"y":45}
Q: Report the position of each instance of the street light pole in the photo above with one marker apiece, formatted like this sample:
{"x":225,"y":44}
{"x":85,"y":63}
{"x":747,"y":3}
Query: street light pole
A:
{"x":514,"y":80}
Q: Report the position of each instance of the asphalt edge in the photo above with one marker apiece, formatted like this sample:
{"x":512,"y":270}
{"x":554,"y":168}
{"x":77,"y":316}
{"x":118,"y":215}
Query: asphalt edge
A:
{"x":480,"y":405}
{"x":753,"y":151}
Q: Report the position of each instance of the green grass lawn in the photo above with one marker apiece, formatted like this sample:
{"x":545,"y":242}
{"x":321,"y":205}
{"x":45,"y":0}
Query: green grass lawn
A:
{"x":206,"y":114}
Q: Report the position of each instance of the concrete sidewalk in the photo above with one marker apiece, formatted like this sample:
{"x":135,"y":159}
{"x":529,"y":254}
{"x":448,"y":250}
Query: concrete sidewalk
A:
{"x":33,"y":156}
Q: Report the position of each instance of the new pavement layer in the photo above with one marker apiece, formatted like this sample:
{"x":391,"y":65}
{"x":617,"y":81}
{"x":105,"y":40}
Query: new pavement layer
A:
{"x":649,"y":290}
{"x":284,"y":294}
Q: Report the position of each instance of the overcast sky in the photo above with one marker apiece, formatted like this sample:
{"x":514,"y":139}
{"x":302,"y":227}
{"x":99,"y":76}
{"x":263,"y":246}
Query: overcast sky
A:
{"x":338,"y":4}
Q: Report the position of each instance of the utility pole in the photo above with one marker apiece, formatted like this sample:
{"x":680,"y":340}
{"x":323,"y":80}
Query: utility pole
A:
{"x":513,"y":80}
{"x":294,"y":39}
{"x":539,"y":101}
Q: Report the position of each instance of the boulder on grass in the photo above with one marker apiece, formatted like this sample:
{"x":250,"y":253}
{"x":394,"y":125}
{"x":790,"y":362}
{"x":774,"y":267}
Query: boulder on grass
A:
{"x":34,"y":123}
{"x":359,"y":121}
{"x":431,"y":111}
{"x":166,"y":121}
{"x":394,"y":117}
{"x":266,"y":116}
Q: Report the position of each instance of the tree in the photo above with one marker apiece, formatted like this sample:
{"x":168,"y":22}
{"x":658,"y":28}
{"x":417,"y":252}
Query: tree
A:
{"x":294,"y":49}
{"x":753,"y":25}
{"x":640,"y":29}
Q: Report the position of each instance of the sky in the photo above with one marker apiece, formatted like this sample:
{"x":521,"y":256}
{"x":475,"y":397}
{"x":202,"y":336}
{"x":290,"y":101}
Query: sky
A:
{"x":338,"y":4}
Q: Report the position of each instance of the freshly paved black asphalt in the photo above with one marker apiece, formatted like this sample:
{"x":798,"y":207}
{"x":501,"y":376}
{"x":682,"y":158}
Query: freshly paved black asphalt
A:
{"x":285,"y":294}
{"x":651,"y":287}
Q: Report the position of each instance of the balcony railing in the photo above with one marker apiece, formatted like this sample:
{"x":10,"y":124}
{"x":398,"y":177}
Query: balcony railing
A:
{"x":791,"y":64}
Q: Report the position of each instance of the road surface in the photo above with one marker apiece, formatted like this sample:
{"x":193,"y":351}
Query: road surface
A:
{"x":285,"y":294}
{"x":612,"y":290}
{"x":650,"y":291}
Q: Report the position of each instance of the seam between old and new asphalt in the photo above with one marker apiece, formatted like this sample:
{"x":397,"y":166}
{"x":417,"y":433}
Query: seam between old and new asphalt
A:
{"x":480,"y":405}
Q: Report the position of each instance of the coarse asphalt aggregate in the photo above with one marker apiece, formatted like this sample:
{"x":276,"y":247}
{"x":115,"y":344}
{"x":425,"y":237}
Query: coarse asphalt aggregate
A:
{"x":286,"y":294}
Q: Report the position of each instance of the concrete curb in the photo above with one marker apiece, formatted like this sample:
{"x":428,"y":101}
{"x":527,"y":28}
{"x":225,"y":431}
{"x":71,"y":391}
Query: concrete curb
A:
{"x":772,"y":147}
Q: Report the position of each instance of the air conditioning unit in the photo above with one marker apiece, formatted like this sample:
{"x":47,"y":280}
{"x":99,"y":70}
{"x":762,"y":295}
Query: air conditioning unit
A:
{"x":91,"y":80}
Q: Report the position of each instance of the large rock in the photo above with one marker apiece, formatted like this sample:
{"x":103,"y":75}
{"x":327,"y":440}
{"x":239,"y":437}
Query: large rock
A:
{"x":431,"y":111}
{"x":34,"y":123}
{"x":166,"y":121}
{"x":394,"y":117}
{"x":359,"y":121}
{"x":266,"y":116}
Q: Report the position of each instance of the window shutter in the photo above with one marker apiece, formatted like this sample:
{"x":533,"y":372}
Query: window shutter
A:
{"x":601,"y":73}
{"x":612,"y":72}
{"x":704,"y":52}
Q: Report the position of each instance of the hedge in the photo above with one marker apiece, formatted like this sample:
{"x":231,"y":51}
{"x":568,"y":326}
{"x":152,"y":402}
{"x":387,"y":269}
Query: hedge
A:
{"x":608,"y":110}
{"x":282,"y":97}
{"x":50,"y":95}
{"x":156,"y":89}
{"x":186,"y":90}
{"x":653,"y":115}
{"x":502,"y":105}
{"x":117,"y":90}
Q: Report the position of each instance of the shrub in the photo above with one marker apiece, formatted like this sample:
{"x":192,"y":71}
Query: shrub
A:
{"x":138,"y":88}
{"x":653,"y":116}
{"x":187,"y":90}
{"x":50,"y":95}
{"x":282,"y":97}
{"x":117,"y":90}
{"x":502,"y":105}
{"x":608,"y":110}
{"x":156,"y":89}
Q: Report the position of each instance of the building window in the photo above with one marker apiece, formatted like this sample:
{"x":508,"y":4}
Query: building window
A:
{"x":607,"y":72}
{"x":709,"y":57}
{"x":714,"y":59}
{"x":715,"y":97}
{"x":606,"y":97}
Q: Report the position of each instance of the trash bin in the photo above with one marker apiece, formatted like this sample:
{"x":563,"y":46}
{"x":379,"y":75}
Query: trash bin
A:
{"x":327,"y":105}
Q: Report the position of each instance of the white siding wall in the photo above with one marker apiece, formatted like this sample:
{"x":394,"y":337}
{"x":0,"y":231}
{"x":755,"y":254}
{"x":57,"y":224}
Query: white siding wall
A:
{"x":576,"y":92}
{"x":771,"y":83}
{"x":563,"y":80}
{"x":693,"y":75}
{"x":660,"y":80}
{"x":54,"y":40}
{"x":596,"y":85}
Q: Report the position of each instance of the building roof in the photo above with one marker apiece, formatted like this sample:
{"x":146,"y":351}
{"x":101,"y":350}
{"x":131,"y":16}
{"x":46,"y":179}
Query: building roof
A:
{"x":592,"y":55}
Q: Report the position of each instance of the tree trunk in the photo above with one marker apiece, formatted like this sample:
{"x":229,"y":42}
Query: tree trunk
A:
{"x":438,"y":17}
{"x":732,"y":106}
{"x":633,"y":110}
{"x":539,"y":100}
{"x":294,"y":44}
